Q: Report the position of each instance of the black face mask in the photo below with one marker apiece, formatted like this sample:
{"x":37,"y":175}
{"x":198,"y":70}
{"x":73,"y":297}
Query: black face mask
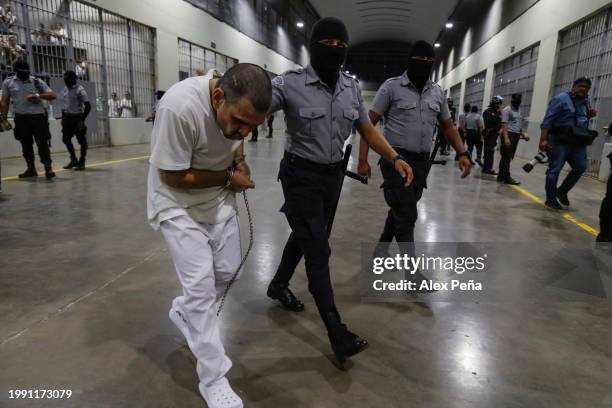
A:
{"x":326,"y":61}
{"x":419,"y":72}
{"x":23,"y":74}
{"x":516,"y":102}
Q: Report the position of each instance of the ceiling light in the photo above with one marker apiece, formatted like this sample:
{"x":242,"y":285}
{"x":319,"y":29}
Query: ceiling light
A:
{"x":437,"y":45}
{"x":449,"y":25}
{"x":300,"y":24}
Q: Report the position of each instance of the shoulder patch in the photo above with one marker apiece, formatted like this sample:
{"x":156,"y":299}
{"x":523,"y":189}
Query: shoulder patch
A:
{"x":278,"y":80}
{"x":294,"y":71}
{"x":383,"y":90}
{"x":392,"y":79}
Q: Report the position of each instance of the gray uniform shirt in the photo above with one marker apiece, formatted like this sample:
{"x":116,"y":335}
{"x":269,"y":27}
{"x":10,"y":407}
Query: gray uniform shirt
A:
{"x":513,"y":118}
{"x":318,"y":122}
{"x":461,"y":118}
{"x":409,"y":116}
{"x":74,"y":99}
{"x":18,"y":90}
{"x":473,"y":120}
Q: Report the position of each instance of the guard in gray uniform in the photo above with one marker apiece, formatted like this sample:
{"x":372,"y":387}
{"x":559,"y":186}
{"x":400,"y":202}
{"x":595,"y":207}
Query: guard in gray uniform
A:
{"x":474,"y":128}
{"x":411,"y":106}
{"x":321,"y":104}
{"x":511,"y":132}
{"x":31,"y":123}
{"x":75,"y":111}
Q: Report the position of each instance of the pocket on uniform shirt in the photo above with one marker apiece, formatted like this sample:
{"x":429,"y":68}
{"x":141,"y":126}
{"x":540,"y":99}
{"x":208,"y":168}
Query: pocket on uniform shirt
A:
{"x":309,"y":118}
{"x":434,"y":109}
{"x":350,"y":116}
{"x":407,"y":110}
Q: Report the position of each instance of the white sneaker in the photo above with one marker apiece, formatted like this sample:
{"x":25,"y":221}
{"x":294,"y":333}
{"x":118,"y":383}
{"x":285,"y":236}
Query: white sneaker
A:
{"x":220,"y":395}
{"x":179,"y":321}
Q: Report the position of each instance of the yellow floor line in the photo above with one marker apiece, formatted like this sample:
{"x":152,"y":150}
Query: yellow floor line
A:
{"x":106,"y":163}
{"x":567,"y":216}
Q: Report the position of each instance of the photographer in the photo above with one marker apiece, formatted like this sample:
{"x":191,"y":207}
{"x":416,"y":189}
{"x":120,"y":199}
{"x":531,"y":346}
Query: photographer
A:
{"x":605,"y":213}
{"x":568,"y":110}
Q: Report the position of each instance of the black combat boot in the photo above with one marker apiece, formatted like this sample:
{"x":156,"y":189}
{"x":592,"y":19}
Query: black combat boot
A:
{"x":30,"y":172}
{"x":343,"y":342}
{"x":283,"y":294}
{"x":73,"y":163}
{"x":80,"y":165}
{"x":49,"y":173}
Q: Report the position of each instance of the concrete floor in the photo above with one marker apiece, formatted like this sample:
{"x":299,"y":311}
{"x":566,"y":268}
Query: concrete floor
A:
{"x":85,"y":287}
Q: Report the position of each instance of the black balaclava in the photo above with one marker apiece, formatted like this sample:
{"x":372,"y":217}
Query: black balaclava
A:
{"x":22,"y":70}
{"x":327,"y":59}
{"x":70,"y":78}
{"x":419,"y":71}
{"x":516,"y":100}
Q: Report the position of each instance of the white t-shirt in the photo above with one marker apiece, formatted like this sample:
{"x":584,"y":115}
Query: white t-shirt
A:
{"x":113,"y":108}
{"x":186,"y":135}
{"x":126,"y":108}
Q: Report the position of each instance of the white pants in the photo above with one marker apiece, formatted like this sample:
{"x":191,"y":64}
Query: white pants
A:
{"x":205,"y":257}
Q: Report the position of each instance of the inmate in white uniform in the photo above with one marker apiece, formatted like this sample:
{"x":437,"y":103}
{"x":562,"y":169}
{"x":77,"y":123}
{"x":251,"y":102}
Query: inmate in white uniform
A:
{"x":200,"y":226}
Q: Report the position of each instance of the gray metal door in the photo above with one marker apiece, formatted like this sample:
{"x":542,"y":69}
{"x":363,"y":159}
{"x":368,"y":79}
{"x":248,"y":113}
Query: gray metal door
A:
{"x":455,"y":95}
{"x":474,"y":89}
{"x":516,"y":74}
{"x":585,"y":49}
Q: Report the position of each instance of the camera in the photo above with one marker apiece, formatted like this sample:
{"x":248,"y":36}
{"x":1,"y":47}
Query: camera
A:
{"x":539,"y":158}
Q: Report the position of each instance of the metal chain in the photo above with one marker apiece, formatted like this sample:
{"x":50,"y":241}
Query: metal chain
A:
{"x":244,"y":258}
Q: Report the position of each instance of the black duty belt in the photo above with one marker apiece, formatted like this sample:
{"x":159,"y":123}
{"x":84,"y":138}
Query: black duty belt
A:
{"x":413,"y":156}
{"x":313,"y":166}
{"x":29,"y":115}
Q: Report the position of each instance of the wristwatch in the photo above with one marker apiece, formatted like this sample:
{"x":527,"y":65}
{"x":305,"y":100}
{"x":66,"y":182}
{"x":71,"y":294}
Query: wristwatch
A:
{"x":466,"y":154}
{"x":396,"y":158}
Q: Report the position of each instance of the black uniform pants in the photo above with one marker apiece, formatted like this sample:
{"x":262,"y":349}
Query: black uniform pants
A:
{"x":507,"y":154}
{"x":270,"y":125}
{"x":605,"y":215}
{"x":309,"y":200}
{"x":403,"y":214}
{"x":30,"y":128}
{"x":474,"y":140}
{"x":442,"y":141}
{"x":490,"y":142}
{"x":73,"y":125}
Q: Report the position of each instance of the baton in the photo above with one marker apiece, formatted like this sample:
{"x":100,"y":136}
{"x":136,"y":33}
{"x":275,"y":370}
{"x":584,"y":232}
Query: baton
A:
{"x":347,"y":173}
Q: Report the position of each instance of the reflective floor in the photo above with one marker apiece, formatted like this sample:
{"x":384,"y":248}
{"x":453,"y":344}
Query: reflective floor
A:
{"x":85,"y":287}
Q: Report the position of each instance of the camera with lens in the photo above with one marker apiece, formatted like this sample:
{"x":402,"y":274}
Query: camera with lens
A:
{"x":540,"y":158}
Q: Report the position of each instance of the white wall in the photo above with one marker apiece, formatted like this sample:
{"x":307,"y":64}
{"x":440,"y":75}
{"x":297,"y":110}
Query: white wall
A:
{"x":541,"y":23}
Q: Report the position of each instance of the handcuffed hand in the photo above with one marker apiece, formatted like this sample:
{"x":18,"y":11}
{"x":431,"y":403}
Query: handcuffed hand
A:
{"x":241,"y":180}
